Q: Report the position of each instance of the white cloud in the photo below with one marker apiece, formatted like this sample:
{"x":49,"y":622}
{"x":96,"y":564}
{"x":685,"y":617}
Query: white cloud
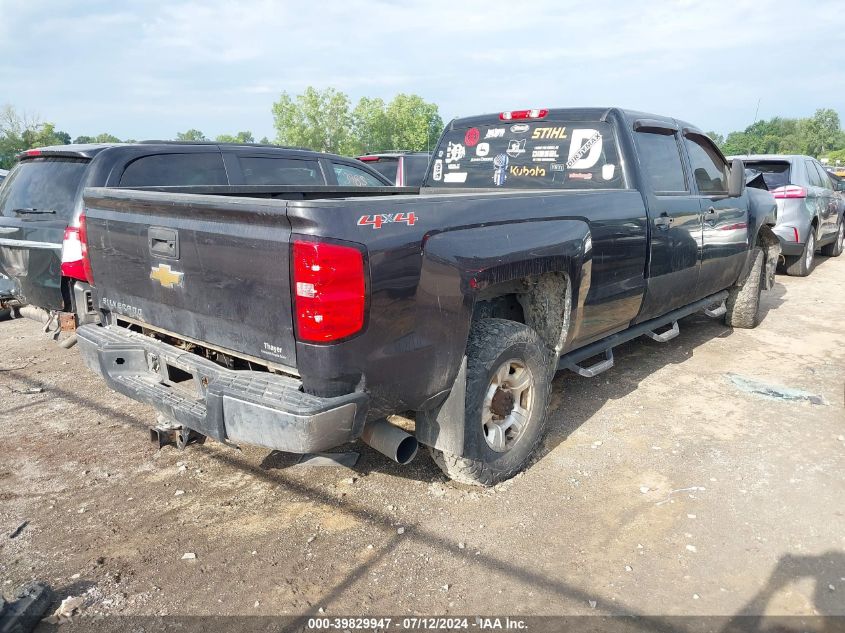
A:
{"x":150,"y":68}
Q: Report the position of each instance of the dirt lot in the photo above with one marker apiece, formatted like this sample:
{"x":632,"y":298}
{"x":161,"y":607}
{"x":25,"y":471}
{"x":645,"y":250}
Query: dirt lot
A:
{"x":666,"y":486}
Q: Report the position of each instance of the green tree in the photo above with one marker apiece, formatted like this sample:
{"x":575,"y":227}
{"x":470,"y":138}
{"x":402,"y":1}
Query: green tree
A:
{"x":191,"y":135}
{"x":415,"y":124}
{"x":822,"y":131}
{"x":371,"y":126}
{"x":240,"y":137}
{"x":717,"y":138}
{"x":816,"y":135}
{"x":105,"y":137}
{"x":319,"y":120}
{"x":21,"y":131}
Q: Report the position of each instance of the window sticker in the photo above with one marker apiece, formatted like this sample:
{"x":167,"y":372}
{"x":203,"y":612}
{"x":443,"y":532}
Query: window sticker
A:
{"x":455,"y":152}
{"x":515,"y":148}
{"x":471,"y":137}
{"x":583,"y":155}
{"x":500,"y":169}
{"x":437,"y":170}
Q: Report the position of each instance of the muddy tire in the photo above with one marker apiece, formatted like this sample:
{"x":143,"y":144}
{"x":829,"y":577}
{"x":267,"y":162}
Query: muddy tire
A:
{"x":801,"y":265}
{"x":743,"y":302}
{"x":834,"y":249}
{"x":508,"y":381}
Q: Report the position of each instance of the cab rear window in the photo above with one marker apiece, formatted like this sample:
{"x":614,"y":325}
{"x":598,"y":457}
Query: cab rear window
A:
{"x":528,"y":155}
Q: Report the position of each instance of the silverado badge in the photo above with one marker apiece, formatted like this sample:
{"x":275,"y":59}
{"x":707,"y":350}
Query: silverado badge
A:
{"x":166,"y":276}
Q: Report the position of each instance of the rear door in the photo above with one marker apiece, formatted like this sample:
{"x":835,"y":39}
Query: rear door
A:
{"x":37,"y":201}
{"x":675,"y":217}
{"x":725,"y":219}
{"x":828,"y":204}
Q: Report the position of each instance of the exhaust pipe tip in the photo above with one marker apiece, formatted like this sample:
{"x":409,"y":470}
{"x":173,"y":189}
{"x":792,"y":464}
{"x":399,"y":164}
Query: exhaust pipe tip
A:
{"x":391,"y":441}
{"x":406,"y":451}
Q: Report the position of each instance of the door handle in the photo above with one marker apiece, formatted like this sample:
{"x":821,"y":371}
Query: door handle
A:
{"x":710,"y":211}
{"x":664,"y":221}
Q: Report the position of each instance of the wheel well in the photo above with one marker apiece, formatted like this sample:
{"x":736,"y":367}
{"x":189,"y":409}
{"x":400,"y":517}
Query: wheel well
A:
{"x":542,"y":302}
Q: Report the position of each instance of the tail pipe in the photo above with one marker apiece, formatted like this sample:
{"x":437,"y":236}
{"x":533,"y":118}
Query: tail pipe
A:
{"x":36,"y":314}
{"x":391,"y":441}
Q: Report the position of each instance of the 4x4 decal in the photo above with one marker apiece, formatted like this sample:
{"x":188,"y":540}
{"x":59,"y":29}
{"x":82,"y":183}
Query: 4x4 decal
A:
{"x":380,"y":219}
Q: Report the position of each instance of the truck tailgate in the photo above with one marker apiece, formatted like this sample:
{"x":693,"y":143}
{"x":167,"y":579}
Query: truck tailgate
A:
{"x":210,"y":269}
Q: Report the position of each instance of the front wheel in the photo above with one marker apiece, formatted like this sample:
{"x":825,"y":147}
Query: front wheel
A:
{"x":834,"y":249}
{"x":508,"y":380}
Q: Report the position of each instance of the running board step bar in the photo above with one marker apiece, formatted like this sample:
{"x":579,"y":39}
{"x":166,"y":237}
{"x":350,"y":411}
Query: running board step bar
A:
{"x":594,"y":370}
{"x":717,"y":311}
{"x":664,"y":337}
{"x":605,"y":346}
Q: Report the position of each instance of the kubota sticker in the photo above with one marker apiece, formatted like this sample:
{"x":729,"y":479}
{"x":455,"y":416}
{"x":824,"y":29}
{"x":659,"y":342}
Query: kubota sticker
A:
{"x":380,"y":219}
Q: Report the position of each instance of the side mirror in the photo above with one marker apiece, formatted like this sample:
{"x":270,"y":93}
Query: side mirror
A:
{"x":736,"y":180}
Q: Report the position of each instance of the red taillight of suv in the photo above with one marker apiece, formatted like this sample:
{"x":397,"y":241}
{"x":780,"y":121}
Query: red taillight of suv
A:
{"x":329,"y":291}
{"x":75,"y":261}
{"x":789,"y":191}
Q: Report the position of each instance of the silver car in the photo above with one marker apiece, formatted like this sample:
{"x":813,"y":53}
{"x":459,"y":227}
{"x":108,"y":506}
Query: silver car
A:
{"x":810,"y":216}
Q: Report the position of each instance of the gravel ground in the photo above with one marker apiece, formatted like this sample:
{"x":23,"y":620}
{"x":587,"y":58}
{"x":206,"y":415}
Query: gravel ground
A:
{"x":684,"y":481}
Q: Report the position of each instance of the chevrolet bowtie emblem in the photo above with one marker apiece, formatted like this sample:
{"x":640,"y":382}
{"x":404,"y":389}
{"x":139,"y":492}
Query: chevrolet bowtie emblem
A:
{"x":166,"y":276}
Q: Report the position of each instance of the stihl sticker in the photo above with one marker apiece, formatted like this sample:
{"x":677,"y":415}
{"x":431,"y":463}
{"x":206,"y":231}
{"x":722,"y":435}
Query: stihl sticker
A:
{"x":380,"y":219}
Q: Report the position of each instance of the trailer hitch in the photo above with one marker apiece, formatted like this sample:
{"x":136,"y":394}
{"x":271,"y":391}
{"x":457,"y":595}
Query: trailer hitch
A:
{"x":167,"y":432}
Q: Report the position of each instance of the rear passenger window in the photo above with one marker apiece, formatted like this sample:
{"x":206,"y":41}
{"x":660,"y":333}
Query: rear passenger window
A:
{"x":708,"y":168}
{"x":823,"y":178}
{"x":267,"y":170}
{"x":813,"y":175}
{"x":175,"y":170}
{"x":349,"y":176}
{"x":661,"y":161}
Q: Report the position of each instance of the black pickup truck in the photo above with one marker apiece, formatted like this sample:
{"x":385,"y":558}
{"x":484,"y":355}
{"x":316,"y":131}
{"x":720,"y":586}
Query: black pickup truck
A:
{"x":539,"y":240}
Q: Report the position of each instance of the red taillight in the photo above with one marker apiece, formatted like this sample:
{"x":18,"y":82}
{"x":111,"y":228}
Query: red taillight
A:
{"x":329,"y":291}
{"x":523,"y":114}
{"x":795,"y":232}
{"x":368,"y":159}
{"x":790,"y":191}
{"x":32,"y":152}
{"x":75,"y":261}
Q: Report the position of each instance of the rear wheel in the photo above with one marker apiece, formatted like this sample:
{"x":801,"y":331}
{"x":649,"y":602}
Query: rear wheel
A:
{"x":509,"y":376}
{"x":834,"y":249}
{"x":743,"y":302}
{"x":802,"y":265}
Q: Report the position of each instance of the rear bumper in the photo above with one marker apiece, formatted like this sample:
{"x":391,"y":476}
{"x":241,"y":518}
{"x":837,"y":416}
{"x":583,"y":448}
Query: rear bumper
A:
{"x":248,"y":407}
{"x":786,"y":237}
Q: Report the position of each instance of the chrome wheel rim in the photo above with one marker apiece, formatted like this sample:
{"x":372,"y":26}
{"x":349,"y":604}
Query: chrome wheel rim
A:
{"x":811,"y":247}
{"x":507,"y":405}
{"x":840,"y":239}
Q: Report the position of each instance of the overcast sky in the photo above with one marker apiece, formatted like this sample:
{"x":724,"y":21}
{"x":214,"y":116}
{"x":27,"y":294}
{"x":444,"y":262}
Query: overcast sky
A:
{"x":148,"y":69}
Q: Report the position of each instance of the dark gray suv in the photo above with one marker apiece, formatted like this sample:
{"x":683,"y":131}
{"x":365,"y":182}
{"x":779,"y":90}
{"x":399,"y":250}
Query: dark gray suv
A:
{"x":41,"y":201}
